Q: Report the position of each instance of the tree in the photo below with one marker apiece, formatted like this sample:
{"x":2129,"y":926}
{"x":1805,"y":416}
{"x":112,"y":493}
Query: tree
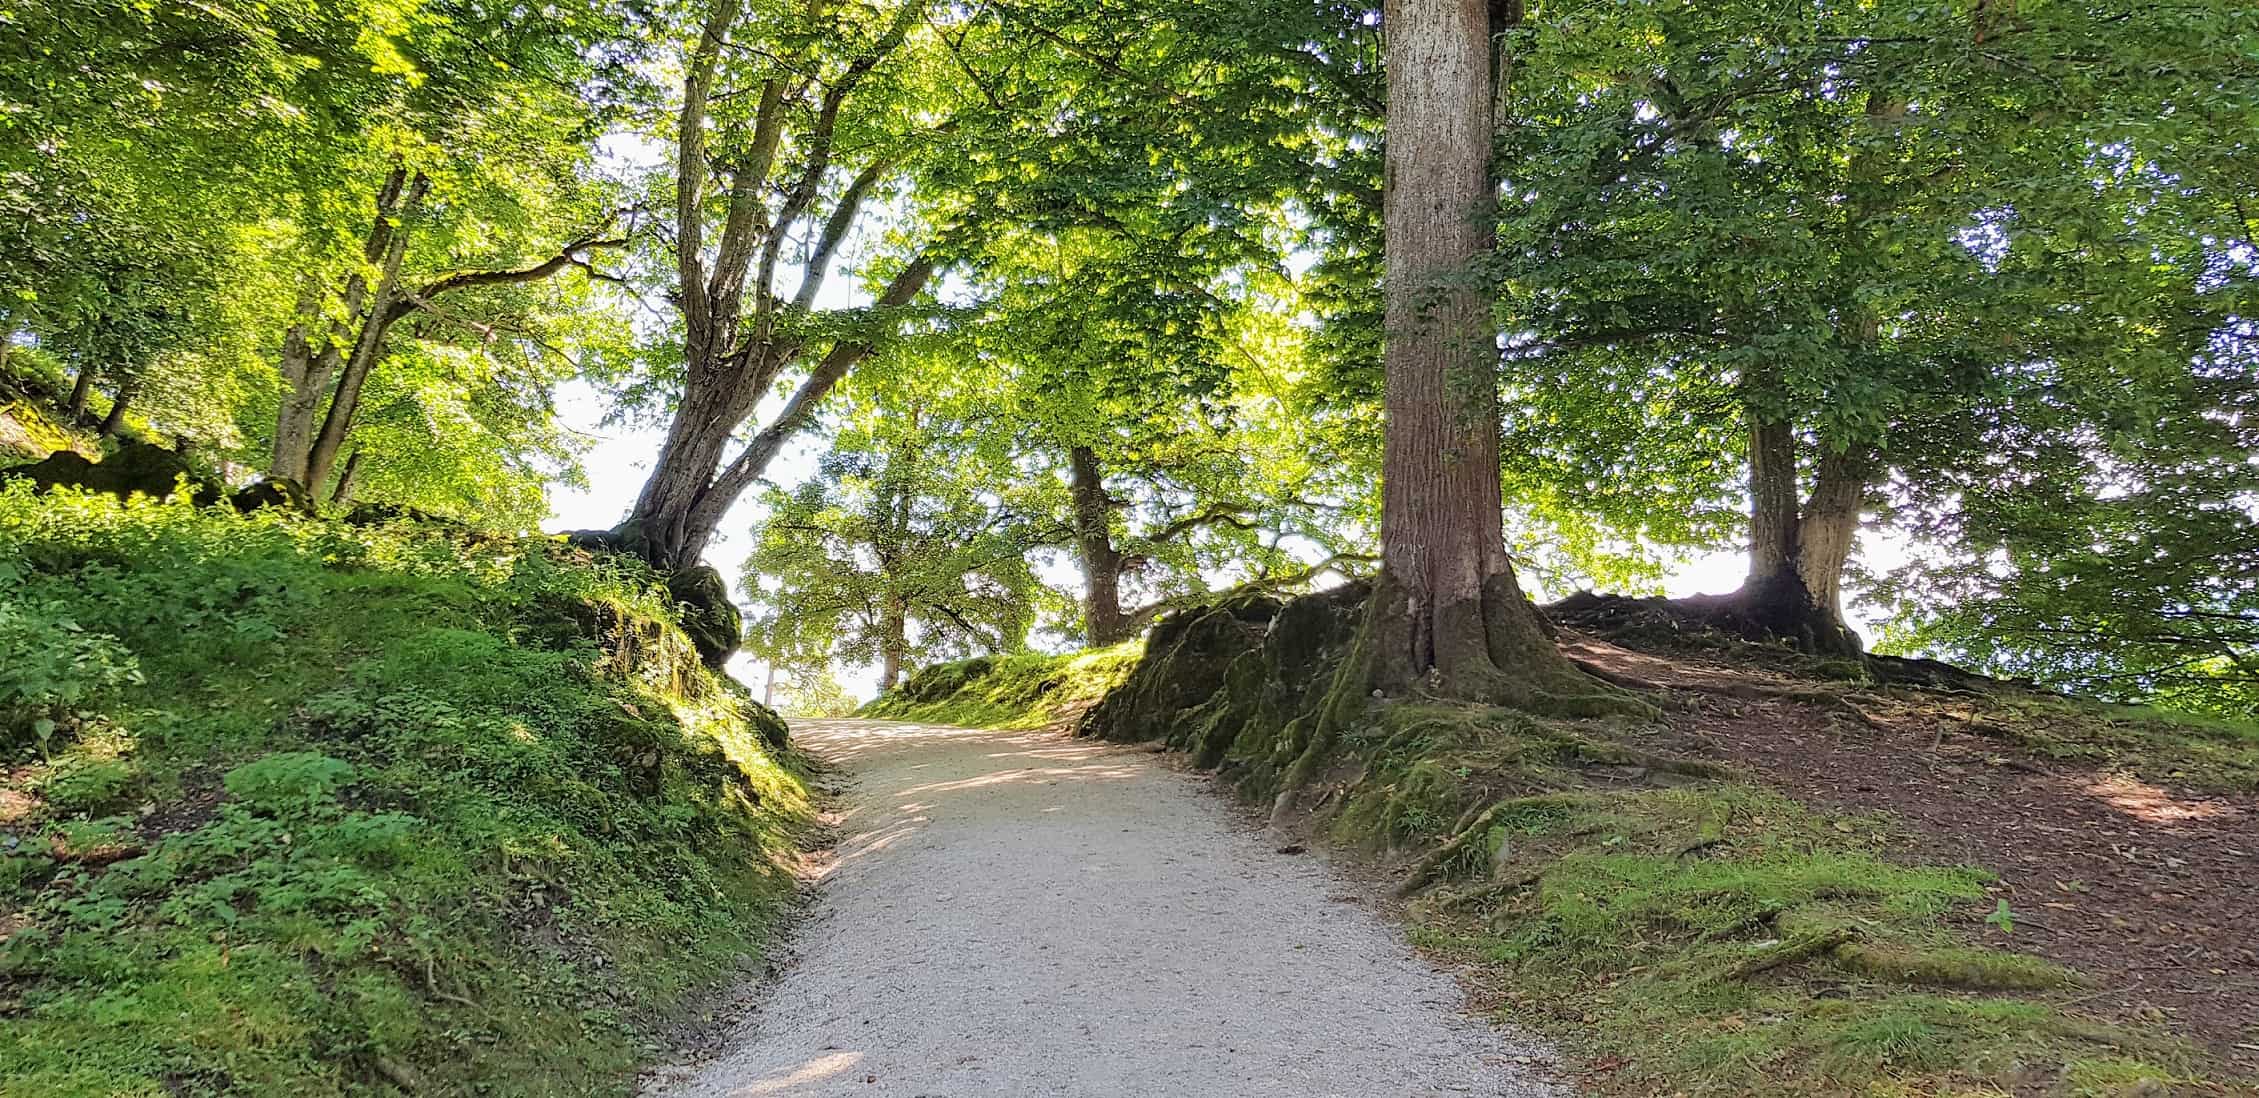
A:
{"x":485,"y":162}
{"x":1784,"y":274}
{"x":904,"y":548}
{"x":1134,"y":370}
{"x":841,"y":99}
{"x":1447,"y":612}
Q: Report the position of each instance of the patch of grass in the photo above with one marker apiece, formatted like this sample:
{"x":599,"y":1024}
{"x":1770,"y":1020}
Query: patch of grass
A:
{"x":1029,"y":690}
{"x":306,"y":809}
{"x":1709,"y":937}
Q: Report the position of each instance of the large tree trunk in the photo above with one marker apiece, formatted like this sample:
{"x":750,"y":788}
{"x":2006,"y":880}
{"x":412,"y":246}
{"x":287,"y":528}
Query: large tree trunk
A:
{"x":1797,"y":552}
{"x":1103,"y":621}
{"x":1447,"y":613}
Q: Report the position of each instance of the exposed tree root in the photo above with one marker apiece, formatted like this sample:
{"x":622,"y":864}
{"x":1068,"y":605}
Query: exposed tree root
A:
{"x":1438,"y":862}
{"x":407,"y":1079}
{"x":1801,"y":948}
{"x":1963,"y":969}
{"x":1475,"y":899}
{"x":1616,"y":754}
{"x":1801,"y":695}
{"x":1755,"y":919}
{"x":1968,"y":970}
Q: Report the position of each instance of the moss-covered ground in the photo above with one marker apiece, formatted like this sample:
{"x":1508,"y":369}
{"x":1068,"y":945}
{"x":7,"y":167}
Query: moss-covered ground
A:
{"x":1713,"y":937}
{"x":297,"y":808}
{"x":1029,"y":690}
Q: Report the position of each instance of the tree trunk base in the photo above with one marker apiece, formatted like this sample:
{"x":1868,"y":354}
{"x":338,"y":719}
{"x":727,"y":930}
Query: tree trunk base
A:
{"x":1761,"y":617}
{"x":1495,"y":650}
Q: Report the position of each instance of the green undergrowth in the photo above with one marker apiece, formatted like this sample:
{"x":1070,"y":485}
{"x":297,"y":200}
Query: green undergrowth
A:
{"x":1029,"y":690}
{"x":300,"y":808}
{"x":1709,"y":935}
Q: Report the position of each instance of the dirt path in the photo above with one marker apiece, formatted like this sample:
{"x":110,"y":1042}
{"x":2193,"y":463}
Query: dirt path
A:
{"x":1023,"y":914}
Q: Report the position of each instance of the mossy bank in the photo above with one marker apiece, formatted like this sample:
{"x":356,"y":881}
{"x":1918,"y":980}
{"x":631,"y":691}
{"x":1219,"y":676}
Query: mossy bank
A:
{"x":1026,"y":690}
{"x":293,"y":807}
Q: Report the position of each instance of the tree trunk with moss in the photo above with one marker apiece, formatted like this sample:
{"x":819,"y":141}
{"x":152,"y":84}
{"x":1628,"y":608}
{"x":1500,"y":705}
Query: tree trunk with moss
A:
{"x":1447,"y":614}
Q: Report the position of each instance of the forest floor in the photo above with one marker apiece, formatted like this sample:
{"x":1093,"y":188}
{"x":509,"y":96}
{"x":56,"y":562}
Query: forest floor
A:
{"x":1020,"y":913}
{"x":2125,"y":850}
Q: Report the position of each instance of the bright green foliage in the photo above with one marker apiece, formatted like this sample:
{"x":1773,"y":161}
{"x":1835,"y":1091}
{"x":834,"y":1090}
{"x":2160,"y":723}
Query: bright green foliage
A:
{"x":380,"y":809}
{"x":908,"y":546}
{"x":1901,"y":226}
{"x":813,"y":693}
{"x":181,"y":182}
{"x":1029,"y":690}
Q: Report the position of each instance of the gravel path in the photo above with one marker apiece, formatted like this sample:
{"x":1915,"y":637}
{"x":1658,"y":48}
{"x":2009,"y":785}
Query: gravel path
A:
{"x":1019,"y":914}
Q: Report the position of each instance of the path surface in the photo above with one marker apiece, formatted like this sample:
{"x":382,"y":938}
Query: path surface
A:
{"x":1019,"y":914}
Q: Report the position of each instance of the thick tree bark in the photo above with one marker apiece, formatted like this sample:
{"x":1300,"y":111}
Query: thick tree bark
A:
{"x":116,"y":417}
{"x":82,"y":388}
{"x":1448,"y":614}
{"x":1797,"y":552}
{"x":1103,"y":621}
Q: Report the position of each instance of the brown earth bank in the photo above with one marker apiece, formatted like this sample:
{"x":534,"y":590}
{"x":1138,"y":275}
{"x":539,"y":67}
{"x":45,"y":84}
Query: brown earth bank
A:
{"x":2140,"y":880}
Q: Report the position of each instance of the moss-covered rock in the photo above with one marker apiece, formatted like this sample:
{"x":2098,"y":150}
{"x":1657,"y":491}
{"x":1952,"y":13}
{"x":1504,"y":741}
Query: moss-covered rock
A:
{"x":1186,"y":659}
{"x":1021,"y":690}
{"x":714,"y":623}
{"x":1236,"y":684}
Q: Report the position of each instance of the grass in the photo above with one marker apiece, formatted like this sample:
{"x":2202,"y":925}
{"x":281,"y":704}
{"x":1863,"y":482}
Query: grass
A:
{"x":1028,"y":690}
{"x":296,"y":808}
{"x":1712,"y":937}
